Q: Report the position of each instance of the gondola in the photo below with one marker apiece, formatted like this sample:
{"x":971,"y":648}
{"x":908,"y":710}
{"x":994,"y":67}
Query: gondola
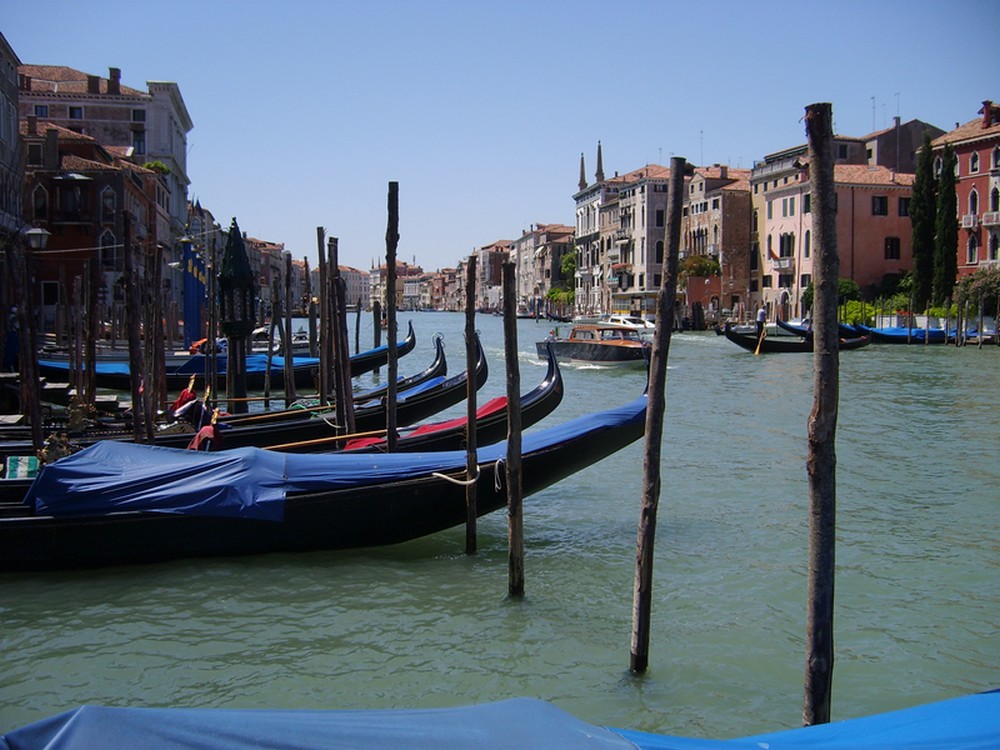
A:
{"x":120,"y":503}
{"x":117,"y":375}
{"x":844,"y":330}
{"x":491,"y":421}
{"x":412,"y":405}
{"x":771,"y":344}
{"x":903,"y":335}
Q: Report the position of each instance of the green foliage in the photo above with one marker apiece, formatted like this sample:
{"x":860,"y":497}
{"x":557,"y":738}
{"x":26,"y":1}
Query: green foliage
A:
{"x":157,"y":166}
{"x":698,"y":265}
{"x":568,"y":265}
{"x":946,"y":231}
{"x":981,"y":287}
{"x":923,"y":206}
{"x":562,"y":297}
{"x":856,"y":311}
{"x":846,"y":290}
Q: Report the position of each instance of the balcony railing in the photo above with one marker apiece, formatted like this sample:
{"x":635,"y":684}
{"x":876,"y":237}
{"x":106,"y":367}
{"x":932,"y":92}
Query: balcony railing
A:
{"x":784,"y":264}
{"x":991,"y":219}
{"x":969,"y":221}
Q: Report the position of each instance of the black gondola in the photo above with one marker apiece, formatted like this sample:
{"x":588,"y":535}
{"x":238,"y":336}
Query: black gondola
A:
{"x":116,"y":375}
{"x":775,"y":344}
{"x":276,"y":502}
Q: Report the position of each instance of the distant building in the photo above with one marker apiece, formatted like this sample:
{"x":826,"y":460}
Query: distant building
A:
{"x":11,"y":166}
{"x":977,"y":187}
{"x":151,"y":125}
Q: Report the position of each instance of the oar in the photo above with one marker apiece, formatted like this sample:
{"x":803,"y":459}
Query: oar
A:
{"x":274,"y":414}
{"x":763,"y":335}
{"x":321,"y":441}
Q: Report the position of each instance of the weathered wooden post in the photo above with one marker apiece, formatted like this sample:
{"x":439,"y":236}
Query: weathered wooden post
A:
{"x":236,"y":312}
{"x":642,"y":597}
{"x":28,"y":323}
{"x":471,"y":457}
{"x":342,"y":355}
{"x":324,"y":322}
{"x":289,"y":357}
{"x":392,"y":365}
{"x":515,"y":493}
{"x":136,"y":366}
{"x":821,"y":459}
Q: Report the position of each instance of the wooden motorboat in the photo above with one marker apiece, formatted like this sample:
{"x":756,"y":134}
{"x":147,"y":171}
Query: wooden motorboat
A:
{"x":599,"y":342}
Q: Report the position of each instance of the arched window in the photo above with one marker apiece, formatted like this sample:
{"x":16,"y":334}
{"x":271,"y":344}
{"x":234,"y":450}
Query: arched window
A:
{"x":972,"y":256}
{"x":40,"y":203}
{"x":996,"y":157}
{"x":753,"y":222}
{"x":109,"y":202}
{"x":659,"y":251}
{"x":995,"y":199}
{"x":994,"y":247}
{"x":111,"y":259}
{"x":973,"y":201}
{"x":938,"y":163}
{"x":974,"y":162}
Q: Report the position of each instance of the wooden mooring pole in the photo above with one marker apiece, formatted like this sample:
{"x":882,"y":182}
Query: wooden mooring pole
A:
{"x":515,"y":493}
{"x":821,"y":458}
{"x":471,"y":457}
{"x":392,"y":362}
{"x":643,"y":591}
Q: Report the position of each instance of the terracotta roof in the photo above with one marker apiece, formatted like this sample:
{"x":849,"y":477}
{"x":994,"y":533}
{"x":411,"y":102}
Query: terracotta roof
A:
{"x":862,"y":174}
{"x":65,"y":134}
{"x":59,"y":79}
{"x":648,"y":172}
{"x":72,"y":163}
{"x":970,"y":131}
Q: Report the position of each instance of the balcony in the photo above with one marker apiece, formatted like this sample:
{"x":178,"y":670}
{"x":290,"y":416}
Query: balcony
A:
{"x":991,"y":219}
{"x":784,"y":264}
{"x":969,"y":221}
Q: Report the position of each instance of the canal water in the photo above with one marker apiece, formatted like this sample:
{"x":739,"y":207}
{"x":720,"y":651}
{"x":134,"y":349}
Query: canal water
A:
{"x":423,"y":625}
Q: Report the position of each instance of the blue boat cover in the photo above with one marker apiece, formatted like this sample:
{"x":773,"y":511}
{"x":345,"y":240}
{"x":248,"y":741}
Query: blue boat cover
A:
{"x":516,"y":724}
{"x":113,"y":476}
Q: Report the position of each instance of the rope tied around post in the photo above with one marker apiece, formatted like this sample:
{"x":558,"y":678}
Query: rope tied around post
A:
{"x":461,"y":482}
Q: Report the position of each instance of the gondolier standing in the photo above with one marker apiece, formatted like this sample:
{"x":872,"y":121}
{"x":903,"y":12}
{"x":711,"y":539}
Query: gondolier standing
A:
{"x":761,"y":320}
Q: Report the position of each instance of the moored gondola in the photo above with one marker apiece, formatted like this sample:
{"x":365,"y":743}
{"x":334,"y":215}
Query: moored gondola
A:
{"x":117,"y":503}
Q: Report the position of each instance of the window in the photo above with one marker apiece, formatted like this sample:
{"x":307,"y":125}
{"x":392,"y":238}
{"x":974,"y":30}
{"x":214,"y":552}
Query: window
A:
{"x":139,"y":142}
{"x":868,"y":154}
{"x":109,"y":253}
{"x":904,"y":206}
{"x":754,"y":219}
{"x":659,"y":217}
{"x":892,"y":248}
{"x":807,"y":203}
{"x":842,"y":151}
{"x":753,"y":285}
{"x":34,"y":154}
{"x":769,"y":215}
{"x":40,"y":203}
{"x":76,"y":113}
{"x":659,"y":251}
{"x":973,"y":201}
{"x":41,"y":110}
{"x":972,"y":252}
{"x":807,"y":244}
{"x":785,"y":280}
{"x":805,"y":280}
{"x":880,"y":205}
{"x":108,"y":204}
{"x":715,"y":204}
{"x":766,"y":281}
{"x":786,"y":245}
{"x":996,"y":157}
{"x":974,"y":163}
{"x":995,"y":247}
{"x":138,"y":115}
{"x":791,"y":206}
{"x":995,"y":199}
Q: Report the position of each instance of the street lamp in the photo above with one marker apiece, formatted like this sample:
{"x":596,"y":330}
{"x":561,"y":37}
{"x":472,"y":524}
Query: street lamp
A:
{"x":38,"y":238}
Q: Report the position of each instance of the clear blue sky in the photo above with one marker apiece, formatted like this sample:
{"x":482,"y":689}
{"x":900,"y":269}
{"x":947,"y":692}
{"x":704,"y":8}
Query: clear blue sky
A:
{"x":304,"y":111}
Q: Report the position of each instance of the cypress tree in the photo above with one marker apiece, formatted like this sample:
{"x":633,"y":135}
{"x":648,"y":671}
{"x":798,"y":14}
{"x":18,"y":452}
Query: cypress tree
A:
{"x":923,"y":207}
{"x":946,"y":234}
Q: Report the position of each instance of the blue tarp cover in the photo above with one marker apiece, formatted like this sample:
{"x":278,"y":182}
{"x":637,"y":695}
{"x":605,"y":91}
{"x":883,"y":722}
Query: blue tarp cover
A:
{"x":518,"y":724}
{"x":112,"y":476}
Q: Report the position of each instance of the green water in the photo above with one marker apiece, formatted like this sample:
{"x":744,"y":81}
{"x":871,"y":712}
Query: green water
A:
{"x":422,"y":625}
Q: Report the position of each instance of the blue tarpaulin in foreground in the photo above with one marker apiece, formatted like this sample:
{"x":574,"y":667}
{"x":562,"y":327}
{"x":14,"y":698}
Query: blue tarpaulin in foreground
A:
{"x":965,"y":723}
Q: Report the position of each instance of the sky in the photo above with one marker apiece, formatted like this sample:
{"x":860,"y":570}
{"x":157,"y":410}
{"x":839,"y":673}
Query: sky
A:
{"x":304,"y":110}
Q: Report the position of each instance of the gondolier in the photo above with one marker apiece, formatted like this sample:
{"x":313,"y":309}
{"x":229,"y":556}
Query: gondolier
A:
{"x":761,"y":319}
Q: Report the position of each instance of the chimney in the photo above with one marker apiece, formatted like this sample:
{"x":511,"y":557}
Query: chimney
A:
{"x":114,"y":81}
{"x":32,"y":125}
{"x":93,"y":84}
{"x":24,"y":82}
{"x":724,"y":171}
{"x":987,"y":113}
{"x":50,"y":151}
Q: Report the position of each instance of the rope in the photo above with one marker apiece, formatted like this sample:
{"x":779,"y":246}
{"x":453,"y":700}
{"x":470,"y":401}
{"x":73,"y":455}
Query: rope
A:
{"x":498,"y":474}
{"x":462,"y":482}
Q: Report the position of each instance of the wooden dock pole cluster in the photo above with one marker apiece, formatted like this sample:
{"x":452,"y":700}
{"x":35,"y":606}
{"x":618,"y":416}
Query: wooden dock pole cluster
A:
{"x":646,"y":538}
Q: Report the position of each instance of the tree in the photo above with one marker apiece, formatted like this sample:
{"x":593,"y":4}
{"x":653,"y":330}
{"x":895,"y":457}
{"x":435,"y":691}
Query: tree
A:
{"x":946,"y":231}
{"x":699,"y":265}
{"x":923,"y":206}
